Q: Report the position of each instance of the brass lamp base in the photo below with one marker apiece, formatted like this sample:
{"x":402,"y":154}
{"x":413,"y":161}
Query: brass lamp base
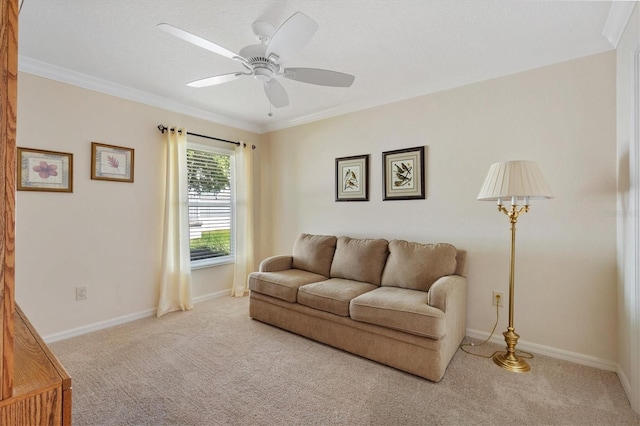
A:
{"x":511,"y":362}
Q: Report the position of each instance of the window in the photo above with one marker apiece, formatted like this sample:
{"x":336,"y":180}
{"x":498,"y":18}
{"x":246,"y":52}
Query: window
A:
{"x":211,"y":205}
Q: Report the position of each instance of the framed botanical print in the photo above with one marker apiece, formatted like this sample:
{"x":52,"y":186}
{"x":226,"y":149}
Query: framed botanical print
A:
{"x":110,"y":162}
{"x":41,"y":170}
{"x":352,"y":178}
{"x":404,"y":174}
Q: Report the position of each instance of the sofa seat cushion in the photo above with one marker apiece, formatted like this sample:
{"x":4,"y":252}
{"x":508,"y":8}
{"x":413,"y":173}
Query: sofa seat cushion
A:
{"x":417,"y":266}
{"x":399,"y":309}
{"x":282,"y":284}
{"x":359,"y":259}
{"x":332,"y":295}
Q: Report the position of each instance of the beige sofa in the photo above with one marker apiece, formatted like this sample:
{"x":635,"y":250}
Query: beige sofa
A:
{"x":399,"y":303}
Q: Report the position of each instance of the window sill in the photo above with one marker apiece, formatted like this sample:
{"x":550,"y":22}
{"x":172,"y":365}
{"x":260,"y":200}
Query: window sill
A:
{"x":208,"y":263}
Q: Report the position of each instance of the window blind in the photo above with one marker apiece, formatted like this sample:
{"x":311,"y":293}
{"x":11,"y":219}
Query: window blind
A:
{"x":210,"y":181}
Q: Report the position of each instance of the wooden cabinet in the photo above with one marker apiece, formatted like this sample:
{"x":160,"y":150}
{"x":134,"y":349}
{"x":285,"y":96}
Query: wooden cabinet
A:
{"x":42,"y":387}
{"x":34,"y":387}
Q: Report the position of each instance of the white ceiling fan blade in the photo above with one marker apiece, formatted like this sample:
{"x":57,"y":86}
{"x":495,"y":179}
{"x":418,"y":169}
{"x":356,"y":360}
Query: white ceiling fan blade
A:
{"x":199,"y":41}
{"x":218,"y":79}
{"x":292,"y":35}
{"x":275,"y":93}
{"x":319,"y":77}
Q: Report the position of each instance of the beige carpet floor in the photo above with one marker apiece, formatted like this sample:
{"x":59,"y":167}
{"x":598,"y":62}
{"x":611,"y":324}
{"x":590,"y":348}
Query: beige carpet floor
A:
{"x":216,"y":366}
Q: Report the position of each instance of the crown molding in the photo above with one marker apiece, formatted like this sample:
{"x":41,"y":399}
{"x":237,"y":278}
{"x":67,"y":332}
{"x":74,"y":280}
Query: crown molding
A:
{"x":368,"y":103}
{"x":619,"y":15}
{"x":63,"y":75}
{"x":316,"y":116}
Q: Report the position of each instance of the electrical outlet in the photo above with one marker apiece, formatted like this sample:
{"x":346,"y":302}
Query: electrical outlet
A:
{"x":498,"y":298}
{"x":81,"y":293}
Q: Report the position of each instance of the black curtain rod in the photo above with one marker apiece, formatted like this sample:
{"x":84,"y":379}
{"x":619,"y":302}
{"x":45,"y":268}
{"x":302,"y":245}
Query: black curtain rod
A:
{"x":163,"y":128}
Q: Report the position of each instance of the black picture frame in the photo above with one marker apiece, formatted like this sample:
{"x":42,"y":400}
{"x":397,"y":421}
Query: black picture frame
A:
{"x":403,"y":174}
{"x":352,"y":178}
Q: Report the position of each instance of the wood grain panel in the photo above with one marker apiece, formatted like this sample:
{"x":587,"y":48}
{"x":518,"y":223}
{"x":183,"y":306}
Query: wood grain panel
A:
{"x":35,"y":365}
{"x":41,"y":409}
{"x":8,"y":103}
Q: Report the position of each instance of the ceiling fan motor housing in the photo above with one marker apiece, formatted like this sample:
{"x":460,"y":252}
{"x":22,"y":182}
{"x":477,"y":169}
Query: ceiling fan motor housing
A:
{"x":263,"y":68}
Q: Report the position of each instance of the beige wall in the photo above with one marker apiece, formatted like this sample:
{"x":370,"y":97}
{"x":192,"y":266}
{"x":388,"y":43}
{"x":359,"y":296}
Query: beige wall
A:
{"x":628,"y":159}
{"x":562,"y":116}
{"x":105,"y":235}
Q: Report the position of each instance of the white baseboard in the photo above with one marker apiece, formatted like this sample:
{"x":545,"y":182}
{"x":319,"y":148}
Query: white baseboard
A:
{"x":210,"y":296}
{"x":591,"y":361}
{"x":121,"y":320}
{"x":624,"y":382}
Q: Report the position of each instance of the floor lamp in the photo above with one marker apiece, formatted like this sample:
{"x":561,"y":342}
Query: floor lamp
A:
{"x":518,"y":182}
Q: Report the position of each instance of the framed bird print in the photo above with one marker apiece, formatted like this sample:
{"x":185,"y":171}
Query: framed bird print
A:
{"x":352,"y":178}
{"x":404,"y":174}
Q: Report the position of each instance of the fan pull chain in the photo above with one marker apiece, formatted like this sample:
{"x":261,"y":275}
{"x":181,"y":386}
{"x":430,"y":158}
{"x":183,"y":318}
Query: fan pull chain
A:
{"x":269,"y":100}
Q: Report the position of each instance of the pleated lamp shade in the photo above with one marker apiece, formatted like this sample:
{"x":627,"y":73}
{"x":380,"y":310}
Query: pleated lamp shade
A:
{"x":514,"y":179}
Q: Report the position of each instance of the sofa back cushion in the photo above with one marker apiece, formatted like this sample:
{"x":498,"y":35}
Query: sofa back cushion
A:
{"x":417,"y":266}
{"x":360,"y":259}
{"x":314,"y":253}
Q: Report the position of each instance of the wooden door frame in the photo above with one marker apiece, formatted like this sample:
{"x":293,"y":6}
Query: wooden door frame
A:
{"x":8,"y":112}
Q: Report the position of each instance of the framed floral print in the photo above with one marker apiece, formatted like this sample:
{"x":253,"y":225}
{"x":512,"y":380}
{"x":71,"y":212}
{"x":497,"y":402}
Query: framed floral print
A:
{"x":41,"y":170}
{"x":404,"y":174}
{"x":110,"y":162}
{"x":352,"y":178}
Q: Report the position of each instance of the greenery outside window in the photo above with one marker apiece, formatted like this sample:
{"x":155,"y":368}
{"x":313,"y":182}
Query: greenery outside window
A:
{"x":211,"y":205}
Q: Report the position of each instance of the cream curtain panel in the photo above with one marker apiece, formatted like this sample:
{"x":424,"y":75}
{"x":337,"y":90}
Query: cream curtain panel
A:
{"x":244,"y":219}
{"x":175,"y":281}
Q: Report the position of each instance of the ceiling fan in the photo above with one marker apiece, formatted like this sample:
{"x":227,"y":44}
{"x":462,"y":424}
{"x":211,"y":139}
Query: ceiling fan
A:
{"x":263,"y":61}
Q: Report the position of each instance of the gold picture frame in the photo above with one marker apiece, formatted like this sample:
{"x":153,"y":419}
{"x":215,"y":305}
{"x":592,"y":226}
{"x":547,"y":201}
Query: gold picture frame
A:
{"x":110,"y":162}
{"x":42,"y":170}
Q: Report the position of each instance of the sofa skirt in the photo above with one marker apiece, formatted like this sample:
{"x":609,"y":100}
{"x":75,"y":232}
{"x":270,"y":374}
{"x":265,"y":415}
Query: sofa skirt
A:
{"x":421,"y":356}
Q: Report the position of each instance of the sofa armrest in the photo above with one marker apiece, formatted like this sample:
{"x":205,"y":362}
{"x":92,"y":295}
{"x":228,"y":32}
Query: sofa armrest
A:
{"x":276,"y":263}
{"x":448,"y":291}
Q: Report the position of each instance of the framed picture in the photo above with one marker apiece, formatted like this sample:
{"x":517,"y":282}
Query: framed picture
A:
{"x":109,"y":162}
{"x":40,"y":170}
{"x":404,"y":174}
{"x":352,"y":178}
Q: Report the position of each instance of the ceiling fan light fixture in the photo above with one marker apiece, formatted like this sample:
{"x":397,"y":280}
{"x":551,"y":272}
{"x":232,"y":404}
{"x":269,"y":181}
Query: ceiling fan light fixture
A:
{"x":262,"y":73}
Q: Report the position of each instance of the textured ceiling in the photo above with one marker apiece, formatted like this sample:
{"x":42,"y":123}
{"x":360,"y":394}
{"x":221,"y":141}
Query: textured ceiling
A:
{"x":397,"y":49}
